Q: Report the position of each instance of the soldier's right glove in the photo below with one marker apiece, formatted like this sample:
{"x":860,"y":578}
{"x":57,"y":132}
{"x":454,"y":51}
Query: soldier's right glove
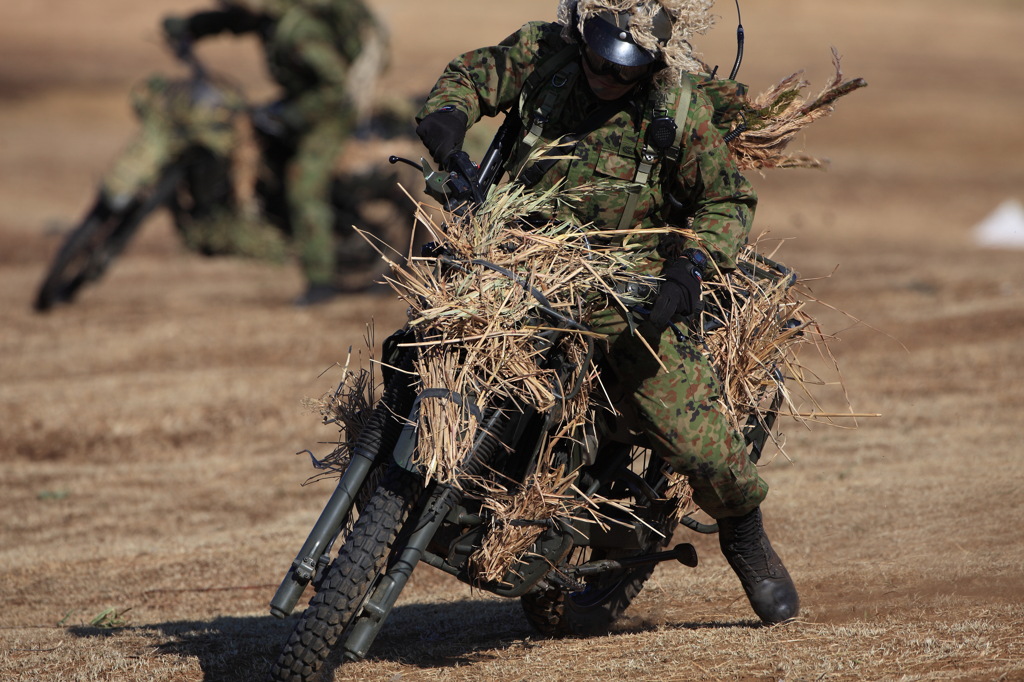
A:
{"x":680,"y":292}
{"x":443,"y":132}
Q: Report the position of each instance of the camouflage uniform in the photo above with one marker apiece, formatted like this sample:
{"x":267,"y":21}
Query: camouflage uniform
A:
{"x":308,"y":59}
{"x":680,"y":406}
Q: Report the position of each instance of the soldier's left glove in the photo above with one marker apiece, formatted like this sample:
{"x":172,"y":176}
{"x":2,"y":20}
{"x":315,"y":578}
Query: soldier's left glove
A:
{"x":680,"y":292}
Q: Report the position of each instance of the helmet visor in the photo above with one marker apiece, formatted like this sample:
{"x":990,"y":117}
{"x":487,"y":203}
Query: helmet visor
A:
{"x":626,"y":75}
{"x":614,"y":44}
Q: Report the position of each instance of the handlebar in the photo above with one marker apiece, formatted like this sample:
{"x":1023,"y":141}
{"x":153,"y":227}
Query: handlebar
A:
{"x":456,"y":184}
{"x":461,"y":184}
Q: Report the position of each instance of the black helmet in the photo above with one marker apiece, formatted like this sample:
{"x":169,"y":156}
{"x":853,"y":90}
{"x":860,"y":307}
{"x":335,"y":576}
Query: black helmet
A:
{"x":607,"y":34}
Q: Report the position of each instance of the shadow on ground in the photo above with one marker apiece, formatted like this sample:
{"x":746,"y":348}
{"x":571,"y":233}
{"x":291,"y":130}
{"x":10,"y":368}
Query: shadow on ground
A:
{"x":228,"y":649}
{"x":425,"y":636}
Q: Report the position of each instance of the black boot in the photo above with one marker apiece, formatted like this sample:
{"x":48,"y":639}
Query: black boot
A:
{"x":765,"y":580}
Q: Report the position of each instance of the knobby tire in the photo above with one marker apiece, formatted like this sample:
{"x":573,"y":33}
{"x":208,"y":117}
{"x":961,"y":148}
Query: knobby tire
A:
{"x":348,"y":582}
{"x":74,"y":264}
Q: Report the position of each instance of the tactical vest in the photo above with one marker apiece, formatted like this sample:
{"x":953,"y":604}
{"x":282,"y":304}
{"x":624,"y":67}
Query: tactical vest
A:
{"x":547,"y":90}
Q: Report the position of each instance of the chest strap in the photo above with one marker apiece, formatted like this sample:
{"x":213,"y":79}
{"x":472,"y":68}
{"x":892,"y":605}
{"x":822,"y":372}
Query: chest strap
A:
{"x":532,"y":174}
{"x":559,"y":73}
{"x":649,"y":155}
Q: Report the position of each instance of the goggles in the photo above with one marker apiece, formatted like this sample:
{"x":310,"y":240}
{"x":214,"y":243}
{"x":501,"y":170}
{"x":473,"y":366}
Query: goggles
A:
{"x":624,"y":75}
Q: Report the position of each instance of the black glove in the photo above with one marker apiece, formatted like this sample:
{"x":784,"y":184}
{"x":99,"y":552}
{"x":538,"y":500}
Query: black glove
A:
{"x":443,"y":132}
{"x":679,"y":293}
{"x":176,"y":33}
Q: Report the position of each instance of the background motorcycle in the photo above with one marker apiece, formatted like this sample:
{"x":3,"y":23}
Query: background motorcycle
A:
{"x":198,"y":181}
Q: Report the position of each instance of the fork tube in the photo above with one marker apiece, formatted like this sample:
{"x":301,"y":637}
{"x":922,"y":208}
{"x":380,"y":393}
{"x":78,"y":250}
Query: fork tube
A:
{"x":385,"y":594}
{"x":326,"y":528}
{"x":441,"y":502}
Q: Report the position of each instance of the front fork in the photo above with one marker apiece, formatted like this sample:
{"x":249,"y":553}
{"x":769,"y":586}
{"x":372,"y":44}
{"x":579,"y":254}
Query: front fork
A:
{"x":364,"y":457}
{"x":440,"y":502}
{"x":384,"y":593}
{"x":335,"y":512}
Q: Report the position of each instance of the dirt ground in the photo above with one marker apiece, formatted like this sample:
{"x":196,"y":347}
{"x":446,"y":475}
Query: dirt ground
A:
{"x":152,"y":500}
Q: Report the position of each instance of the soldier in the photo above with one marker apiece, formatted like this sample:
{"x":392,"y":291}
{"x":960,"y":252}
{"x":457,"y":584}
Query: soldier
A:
{"x":615,"y":81}
{"x":310,"y":46}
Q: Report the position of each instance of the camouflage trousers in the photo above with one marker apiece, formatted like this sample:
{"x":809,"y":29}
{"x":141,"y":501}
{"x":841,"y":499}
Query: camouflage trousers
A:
{"x":307,"y":176}
{"x":678,"y":404}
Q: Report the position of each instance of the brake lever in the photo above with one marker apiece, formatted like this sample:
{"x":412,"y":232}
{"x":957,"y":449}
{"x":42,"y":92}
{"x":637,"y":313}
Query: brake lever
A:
{"x":435,"y":179}
{"x":455,"y":187}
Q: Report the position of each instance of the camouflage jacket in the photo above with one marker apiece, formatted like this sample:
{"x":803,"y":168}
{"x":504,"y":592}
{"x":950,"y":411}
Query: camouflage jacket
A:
{"x":716,"y":199}
{"x":304,"y":54}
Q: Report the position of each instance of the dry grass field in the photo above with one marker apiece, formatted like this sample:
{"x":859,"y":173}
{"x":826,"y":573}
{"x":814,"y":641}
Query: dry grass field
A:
{"x":150,"y":494}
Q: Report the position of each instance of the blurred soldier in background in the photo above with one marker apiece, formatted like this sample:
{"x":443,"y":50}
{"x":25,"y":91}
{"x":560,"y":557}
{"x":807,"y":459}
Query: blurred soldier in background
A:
{"x":174,"y":114}
{"x":318,"y":52}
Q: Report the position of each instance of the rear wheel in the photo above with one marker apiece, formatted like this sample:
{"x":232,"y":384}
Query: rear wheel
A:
{"x":362,"y":558}
{"x":591,"y":607}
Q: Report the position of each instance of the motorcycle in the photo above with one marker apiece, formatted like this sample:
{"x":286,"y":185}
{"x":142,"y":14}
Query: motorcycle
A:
{"x":197,"y":182}
{"x":542,"y":489}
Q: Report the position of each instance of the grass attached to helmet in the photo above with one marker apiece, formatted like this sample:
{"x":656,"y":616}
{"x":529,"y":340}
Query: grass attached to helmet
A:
{"x":645,"y":22}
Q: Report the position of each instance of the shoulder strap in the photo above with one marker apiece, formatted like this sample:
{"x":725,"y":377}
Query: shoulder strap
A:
{"x":682,"y":113}
{"x":560,"y":68}
{"x":649,"y":155}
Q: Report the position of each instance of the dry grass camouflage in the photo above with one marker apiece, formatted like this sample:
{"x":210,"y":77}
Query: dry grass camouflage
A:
{"x":476,"y":327}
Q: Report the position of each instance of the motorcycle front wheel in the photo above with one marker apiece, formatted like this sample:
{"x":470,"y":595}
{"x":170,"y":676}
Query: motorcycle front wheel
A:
{"x":97,"y":241}
{"x":363,"y":557}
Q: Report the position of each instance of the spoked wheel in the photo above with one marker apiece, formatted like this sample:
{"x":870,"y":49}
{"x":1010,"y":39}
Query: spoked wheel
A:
{"x":91,"y":247}
{"x":376,"y":205}
{"x":593,"y":604}
{"x":361,"y":560}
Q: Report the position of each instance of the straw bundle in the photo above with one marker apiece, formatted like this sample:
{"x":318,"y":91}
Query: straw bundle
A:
{"x":775,"y":116}
{"x":475,"y":313}
{"x":478,"y":313}
{"x":754,"y":351}
{"x":349,"y":406}
{"x":520,"y":516}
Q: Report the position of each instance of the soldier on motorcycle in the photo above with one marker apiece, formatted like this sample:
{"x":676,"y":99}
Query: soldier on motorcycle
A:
{"x":615,"y":84}
{"x":309,"y":46}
